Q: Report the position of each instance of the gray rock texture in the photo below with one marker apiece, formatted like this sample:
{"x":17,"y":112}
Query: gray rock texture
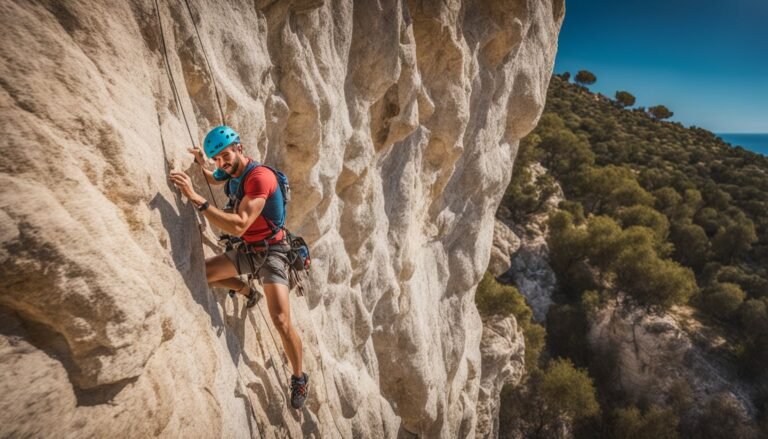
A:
{"x":520,"y":253}
{"x":503,"y":356}
{"x":397,"y":123}
{"x":653,"y":355}
{"x":506,"y":244}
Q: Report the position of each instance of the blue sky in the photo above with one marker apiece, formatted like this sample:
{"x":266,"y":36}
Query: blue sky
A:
{"x":706,"y":60}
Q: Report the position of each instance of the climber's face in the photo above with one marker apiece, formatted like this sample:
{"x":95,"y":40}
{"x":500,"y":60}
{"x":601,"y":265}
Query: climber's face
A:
{"x":231,"y":159}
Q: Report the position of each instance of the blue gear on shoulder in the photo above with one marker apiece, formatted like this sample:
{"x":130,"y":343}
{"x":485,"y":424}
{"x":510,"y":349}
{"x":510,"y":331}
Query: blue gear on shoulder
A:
{"x":220,"y":175}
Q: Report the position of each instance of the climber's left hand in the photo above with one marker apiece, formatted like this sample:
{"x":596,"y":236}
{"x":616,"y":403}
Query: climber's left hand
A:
{"x":184,"y":184}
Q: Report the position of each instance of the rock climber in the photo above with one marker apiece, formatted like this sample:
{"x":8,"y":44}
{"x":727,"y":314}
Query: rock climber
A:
{"x":264,"y":254}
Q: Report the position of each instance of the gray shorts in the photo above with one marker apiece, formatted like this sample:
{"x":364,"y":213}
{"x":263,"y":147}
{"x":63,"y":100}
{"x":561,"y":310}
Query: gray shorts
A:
{"x":271,"y":268}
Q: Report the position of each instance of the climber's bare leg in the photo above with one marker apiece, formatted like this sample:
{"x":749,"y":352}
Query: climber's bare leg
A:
{"x":221,"y":273}
{"x":280,"y":311}
{"x":233,"y":283}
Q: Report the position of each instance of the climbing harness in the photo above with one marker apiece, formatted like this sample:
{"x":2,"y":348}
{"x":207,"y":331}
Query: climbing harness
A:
{"x":299,"y":261}
{"x":275,"y":213}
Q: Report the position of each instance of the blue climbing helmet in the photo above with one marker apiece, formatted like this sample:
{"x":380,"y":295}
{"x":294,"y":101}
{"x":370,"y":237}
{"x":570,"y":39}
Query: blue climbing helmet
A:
{"x":219,"y":138}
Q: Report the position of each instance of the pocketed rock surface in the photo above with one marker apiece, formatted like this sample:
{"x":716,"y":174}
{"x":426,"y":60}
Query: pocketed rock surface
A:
{"x":397,"y":124}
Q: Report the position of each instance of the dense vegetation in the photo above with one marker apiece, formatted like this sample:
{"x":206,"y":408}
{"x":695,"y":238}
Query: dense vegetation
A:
{"x":665,"y":214}
{"x":551,"y":396}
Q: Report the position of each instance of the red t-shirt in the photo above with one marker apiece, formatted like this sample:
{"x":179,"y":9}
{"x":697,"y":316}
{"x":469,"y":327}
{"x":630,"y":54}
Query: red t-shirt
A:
{"x":260,"y":183}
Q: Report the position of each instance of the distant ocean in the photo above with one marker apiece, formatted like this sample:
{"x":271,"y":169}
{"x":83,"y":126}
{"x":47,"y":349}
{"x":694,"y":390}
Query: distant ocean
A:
{"x":754,"y":142}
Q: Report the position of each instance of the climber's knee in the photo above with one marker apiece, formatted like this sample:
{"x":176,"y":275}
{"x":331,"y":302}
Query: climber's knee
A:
{"x":218,"y":268}
{"x":282,"y":323}
{"x":279,"y":306}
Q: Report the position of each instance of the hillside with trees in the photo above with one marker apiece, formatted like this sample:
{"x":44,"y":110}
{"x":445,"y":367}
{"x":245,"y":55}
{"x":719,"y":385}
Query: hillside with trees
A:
{"x":671,"y":218}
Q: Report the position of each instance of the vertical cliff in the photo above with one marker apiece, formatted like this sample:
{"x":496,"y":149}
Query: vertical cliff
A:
{"x":397,"y":123}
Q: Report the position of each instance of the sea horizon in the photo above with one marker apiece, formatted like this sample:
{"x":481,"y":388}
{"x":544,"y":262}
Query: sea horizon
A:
{"x":755,"y":142}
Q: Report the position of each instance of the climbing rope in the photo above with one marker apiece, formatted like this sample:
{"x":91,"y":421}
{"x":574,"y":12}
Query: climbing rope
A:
{"x":207,"y":64}
{"x":177,"y":96}
{"x":180,"y":107}
{"x":202,"y":239}
{"x":177,"y":101}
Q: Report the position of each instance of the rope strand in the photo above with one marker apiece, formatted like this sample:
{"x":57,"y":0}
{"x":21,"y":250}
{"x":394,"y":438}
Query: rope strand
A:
{"x":177,"y":101}
{"x":207,"y":64}
{"x":177,"y":97}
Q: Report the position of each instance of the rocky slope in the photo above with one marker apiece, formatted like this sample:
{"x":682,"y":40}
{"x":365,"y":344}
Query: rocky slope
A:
{"x":656,"y":356}
{"x":520,"y":254}
{"x":397,"y":123}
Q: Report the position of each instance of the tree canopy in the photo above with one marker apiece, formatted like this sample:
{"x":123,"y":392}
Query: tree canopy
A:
{"x":625,"y":98}
{"x":585,"y":77}
{"x":660,"y":112}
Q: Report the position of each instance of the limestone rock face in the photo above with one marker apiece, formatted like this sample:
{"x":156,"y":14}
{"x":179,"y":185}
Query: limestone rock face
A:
{"x":503,"y":355}
{"x":534,"y":278}
{"x":505,"y":245}
{"x":397,"y":124}
{"x":653,"y":356}
{"x":520,"y":253}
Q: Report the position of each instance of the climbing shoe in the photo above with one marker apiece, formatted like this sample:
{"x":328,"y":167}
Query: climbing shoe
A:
{"x":299,"y":390}
{"x":253,"y":298}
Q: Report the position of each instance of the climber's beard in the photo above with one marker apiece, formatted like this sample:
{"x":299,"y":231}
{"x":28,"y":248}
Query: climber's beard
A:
{"x":232,"y":168}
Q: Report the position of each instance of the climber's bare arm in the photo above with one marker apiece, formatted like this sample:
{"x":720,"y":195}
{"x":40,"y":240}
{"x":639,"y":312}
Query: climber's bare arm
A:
{"x":236,"y":223}
{"x":232,"y":223}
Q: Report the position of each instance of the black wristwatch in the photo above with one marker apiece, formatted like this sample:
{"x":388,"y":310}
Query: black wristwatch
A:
{"x":203,"y":206}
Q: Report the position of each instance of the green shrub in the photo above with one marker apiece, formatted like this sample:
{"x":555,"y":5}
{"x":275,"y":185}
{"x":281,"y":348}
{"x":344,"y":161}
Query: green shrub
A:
{"x":734,"y":240}
{"x":548,"y":399}
{"x":632,"y":257}
{"x":752,"y":284}
{"x":649,"y":279}
{"x":574,"y":208}
{"x":535,"y":339}
{"x":660,"y":112}
{"x":640,"y":215}
{"x":593,"y":301}
{"x":606,"y":189}
{"x":493,"y":298}
{"x":656,"y":423}
{"x":691,"y":245}
{"x":680,"y":396}
{"x":723,"y":299}
{"x":754,"y":316}
{"x":569,"y":391}
{"x":722,"y":418}
{"x":566,"y":332}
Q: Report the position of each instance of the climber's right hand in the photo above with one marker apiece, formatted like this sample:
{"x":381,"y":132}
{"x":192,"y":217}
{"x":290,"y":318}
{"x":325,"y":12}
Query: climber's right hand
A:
{"x":198,"y":153}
